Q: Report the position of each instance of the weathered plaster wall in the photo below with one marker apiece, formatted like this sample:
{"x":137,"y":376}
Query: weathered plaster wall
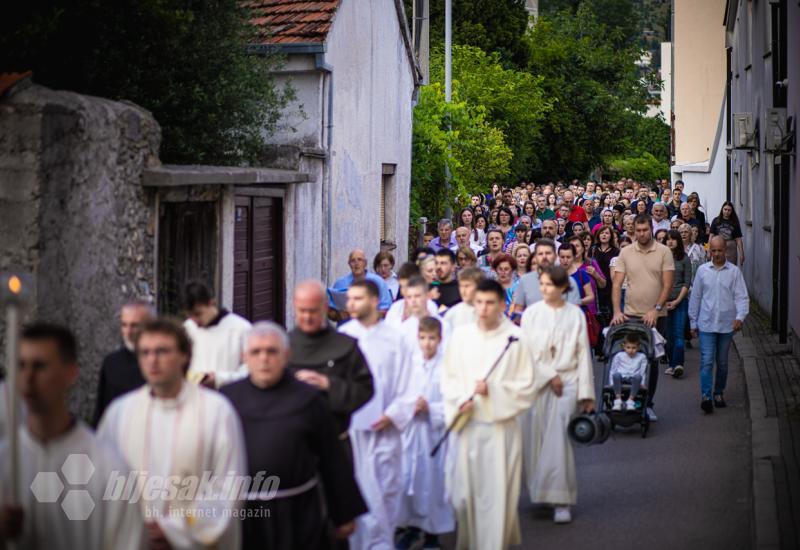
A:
{"x":373,"y":88}
{"x":73,"y":213}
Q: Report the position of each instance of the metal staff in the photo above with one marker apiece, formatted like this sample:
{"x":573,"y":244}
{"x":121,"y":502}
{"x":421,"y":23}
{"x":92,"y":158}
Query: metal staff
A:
{"x":459,"y":415}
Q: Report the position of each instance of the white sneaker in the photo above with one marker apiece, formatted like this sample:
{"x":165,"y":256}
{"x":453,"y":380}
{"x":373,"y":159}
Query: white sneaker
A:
{"x":630,"y":405}
{"x":562,"y":514}
{"x":669,"y":371}
{"x":651,"y":414}
{"x":617,"y":405}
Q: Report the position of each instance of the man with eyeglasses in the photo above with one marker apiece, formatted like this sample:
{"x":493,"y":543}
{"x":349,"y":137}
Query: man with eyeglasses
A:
{"x":172,"y":432}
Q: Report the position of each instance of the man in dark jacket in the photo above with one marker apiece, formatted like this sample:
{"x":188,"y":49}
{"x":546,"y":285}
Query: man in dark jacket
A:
{"x":120,"y":372}
{"x":326,"y":359}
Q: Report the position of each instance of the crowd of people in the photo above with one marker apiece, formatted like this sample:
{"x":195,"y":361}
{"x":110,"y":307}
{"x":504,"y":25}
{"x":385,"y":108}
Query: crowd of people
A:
{"x":405,"y":403}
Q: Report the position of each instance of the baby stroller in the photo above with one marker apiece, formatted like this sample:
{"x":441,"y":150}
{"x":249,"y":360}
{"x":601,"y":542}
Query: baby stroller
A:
{"x":613,"y":345}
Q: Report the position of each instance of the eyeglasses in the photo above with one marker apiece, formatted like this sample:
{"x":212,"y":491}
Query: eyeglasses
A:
{"x":158,"y":352}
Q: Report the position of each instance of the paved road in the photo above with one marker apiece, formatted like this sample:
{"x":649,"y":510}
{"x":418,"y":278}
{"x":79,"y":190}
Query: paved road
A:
{"x":686,"y":486}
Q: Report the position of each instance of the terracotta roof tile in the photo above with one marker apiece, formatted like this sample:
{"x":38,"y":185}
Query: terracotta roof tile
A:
{"x":291,"y":21}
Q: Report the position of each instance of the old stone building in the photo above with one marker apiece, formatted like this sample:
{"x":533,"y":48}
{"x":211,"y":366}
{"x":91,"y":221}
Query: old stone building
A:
{"x":87,"y":208}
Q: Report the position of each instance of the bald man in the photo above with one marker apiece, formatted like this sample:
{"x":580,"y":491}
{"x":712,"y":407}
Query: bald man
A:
{"x":358,"y":272}
{"x":326,"y":359}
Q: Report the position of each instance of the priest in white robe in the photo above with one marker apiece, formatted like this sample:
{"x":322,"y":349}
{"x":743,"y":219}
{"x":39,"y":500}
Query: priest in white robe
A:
{"x":554,"y":331}
{"x":484,"y":482}
{"x":173,"y":429}
{"x":63,"y":469}
{"x":376,"y":428}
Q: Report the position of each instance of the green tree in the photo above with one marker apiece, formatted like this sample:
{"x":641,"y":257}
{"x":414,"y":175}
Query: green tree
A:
{"x":644,"y":167}
{"x":514,"y":100}
{"x":622,"y":18}
{"x":595,"y":86}
{"x":460,"y":137}
{"x":184,"y":60}
{"x":491,"y":25}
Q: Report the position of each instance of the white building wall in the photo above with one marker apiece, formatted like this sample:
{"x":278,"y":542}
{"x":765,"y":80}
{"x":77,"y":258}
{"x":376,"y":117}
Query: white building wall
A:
{"x":708,"y":178}
{"x":373,"y":87}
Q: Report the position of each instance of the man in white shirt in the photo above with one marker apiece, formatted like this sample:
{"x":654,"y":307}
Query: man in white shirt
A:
{"x":660,"y":217}
{"x":463,"y":238}
{"x":718,"y":306}
{"x":181,"y":435}
{"x":56,"y":449}
{"x":217,"y":338}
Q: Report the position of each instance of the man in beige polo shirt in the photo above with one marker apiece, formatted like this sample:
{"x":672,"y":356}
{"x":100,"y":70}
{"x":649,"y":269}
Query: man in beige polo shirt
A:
{"x":650,"y":269}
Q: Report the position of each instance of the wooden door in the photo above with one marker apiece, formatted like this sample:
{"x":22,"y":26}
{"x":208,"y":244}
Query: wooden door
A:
{"x":258,"y":259}
{"x":187,"y":250}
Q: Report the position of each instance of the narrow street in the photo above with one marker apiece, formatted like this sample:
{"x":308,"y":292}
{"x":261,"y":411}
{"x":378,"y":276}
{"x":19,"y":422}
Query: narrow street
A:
{"x":686,"y":486}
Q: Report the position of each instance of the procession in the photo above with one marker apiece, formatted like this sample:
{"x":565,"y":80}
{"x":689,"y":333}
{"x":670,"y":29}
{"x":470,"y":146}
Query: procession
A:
{"x":413,"y":412}
{"x":399,"y":275}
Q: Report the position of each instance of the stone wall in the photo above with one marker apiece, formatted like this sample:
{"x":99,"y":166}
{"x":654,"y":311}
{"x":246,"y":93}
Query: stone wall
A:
{"x":73,"y":213}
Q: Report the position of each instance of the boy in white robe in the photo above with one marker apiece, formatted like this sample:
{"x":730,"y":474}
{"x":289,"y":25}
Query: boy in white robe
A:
{"x":398,"y":312}
{"x":63,"y":469}
{"x":426,"y":510}
{"x":175,"y":430}
{"x":416,"y":297}
{"x":555,"y":333}
{"x":484,"y":482}
{"x":376,"y":428}
{"x":463,"y":313}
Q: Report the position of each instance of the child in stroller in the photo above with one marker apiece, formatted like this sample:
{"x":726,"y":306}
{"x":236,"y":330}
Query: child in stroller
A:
{"x":629,"y":367}
{"x":631,"y":392}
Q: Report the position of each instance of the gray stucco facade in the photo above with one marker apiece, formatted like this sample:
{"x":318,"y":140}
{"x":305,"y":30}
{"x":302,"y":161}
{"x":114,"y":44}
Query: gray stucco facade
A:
{"x":764,"y":44}
{"x":357,"y":92}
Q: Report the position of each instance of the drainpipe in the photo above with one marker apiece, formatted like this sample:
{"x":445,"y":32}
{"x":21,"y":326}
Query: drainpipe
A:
{"x":321,"y":65}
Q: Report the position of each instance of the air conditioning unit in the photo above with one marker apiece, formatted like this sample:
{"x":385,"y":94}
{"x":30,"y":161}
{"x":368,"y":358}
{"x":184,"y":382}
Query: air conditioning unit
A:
{"x":744,"y":131}
{"x":776,"y":130}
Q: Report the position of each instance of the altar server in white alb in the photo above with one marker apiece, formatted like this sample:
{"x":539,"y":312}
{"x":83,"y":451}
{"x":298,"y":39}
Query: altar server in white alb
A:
{"x":217,"y":336}
{"x":426,"y":511}
{"x":399,"y":312}
{"x":463,"y":313}
{"x":376,"y":428}
{"x":56,"y":448}
{"x":416,"y":296}
{"x":555,"y":333}
{"x":484,"y":482}
{"x":178,"y":431}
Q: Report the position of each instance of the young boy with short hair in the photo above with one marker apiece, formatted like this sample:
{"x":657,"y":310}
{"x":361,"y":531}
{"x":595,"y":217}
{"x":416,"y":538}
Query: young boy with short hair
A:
{"x":464,"y":312}
{"x":629,"y":367}
{"x":425,"y":509}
